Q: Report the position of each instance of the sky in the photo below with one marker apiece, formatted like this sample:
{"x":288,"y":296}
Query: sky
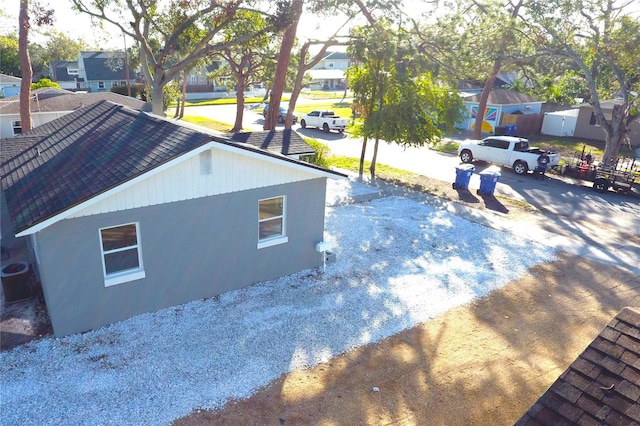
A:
{"x":78,"y":25}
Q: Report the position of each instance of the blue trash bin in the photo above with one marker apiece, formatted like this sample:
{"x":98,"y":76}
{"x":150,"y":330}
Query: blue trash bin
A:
{"x":488,"y":180}
{"x":463,"y":175}
{"x":510,"y":129}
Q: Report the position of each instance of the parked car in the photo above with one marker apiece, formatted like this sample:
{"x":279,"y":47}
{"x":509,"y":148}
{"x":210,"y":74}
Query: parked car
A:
{"x":325,"y":120}
{"x":282,"y":115}
{"x":509,"y":151}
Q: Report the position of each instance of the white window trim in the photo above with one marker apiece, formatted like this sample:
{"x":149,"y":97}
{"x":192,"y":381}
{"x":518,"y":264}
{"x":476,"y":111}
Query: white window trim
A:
{"x":278,"y":239}
{"x":130,"y":274}
{"x":16,"y":124}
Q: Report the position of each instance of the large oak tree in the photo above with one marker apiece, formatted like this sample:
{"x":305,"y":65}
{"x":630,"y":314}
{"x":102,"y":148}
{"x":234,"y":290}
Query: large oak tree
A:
{"x":604,"y":43}
{"x":158,"y":27}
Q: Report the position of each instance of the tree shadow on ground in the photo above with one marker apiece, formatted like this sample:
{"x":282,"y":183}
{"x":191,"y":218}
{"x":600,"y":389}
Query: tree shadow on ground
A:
{"x":484,"y":363}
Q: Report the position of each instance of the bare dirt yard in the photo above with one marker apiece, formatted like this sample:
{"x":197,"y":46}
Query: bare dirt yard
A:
{"x":481,"y":364}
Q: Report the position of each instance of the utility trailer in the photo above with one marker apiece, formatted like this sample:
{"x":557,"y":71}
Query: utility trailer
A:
{"x":621,"y":176}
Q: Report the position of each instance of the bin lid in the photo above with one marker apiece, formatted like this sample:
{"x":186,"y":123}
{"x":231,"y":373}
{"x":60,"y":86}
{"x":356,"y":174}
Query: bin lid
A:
{"x":466,"y":167}
{"x":491,"y":171}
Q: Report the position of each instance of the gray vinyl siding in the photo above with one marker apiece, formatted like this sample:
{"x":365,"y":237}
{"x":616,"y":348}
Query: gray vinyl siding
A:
{"x":191,"y":250}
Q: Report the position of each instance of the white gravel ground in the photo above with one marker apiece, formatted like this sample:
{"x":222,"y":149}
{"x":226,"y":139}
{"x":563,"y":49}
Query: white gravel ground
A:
{"x":399,"y":263}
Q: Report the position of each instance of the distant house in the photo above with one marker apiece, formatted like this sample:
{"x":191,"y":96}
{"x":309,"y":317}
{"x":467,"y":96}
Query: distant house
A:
{"x":586,"y":126}
{"x":499,"y":103}
{"x":124,"y":212}
{"x":580,"y":122}
{"x":602,"y":386}
{"x":65,"y":73}
{"x":49,"y":103}
{"x":9,"y":85}
{"x":199,"y":85}
{"x":329,"y":73}
{"x":100,"y":71}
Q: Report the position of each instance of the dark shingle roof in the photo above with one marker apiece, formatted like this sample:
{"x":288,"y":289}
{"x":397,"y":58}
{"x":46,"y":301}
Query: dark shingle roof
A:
{"x":504,"y":97}
{"x":602,"y":386}
{"x":285,"y":142}
{"x":50,"y":99}
{"x":76,"y":157}
{"x":59,"y":69}
{"x":104,"y":65}
{"x":67,"y":161}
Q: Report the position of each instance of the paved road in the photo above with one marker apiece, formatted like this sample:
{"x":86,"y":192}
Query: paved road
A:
{"x":576,"y":206}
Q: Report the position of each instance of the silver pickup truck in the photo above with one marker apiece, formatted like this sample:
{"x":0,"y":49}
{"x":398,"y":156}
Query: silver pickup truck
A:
{"x":508,"y":151}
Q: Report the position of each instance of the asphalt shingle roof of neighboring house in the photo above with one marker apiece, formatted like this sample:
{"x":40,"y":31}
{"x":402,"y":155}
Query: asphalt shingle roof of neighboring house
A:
{"x":104,"y":65}
{"x":67,"y":161}
{"x":335,"y":55}
{"x":50,"y":99}
{"x":286,"y":142}
{"x":6,"y":79}
{"x":602,"y":386}
{"x":59,"y":69}
{"x":503,"y":97}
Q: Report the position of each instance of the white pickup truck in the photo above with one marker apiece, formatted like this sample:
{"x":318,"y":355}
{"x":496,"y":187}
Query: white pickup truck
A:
{"x":325,"y":120}
{"x":509,"y":151}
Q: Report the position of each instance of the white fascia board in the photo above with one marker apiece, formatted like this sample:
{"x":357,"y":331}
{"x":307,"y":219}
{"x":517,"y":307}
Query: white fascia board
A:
{"x":210,"y":145}
{"x":71,"y":211}
{"x":281,"y":161}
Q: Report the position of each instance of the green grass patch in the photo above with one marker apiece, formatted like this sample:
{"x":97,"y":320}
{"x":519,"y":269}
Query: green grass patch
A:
{"x":382,"y":170}
{"x":446,"y":145}
{"x":208,"y":123}
{"x":342,"y":109}
{"x":321,"y":94}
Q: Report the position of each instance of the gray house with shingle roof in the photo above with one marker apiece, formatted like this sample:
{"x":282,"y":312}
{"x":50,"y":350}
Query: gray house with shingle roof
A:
{"x":125,"y":212}
{"x":100,"y":71}
{"x":49,"y":103}
{"x":602,"y":386}
{"x":65,"y":73}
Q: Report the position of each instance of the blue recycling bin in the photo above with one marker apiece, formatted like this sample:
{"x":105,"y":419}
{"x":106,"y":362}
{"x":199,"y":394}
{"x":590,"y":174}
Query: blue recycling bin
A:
{"x":510,"y":129}
{"x":488,"y":180}
{"x":463,"y":175}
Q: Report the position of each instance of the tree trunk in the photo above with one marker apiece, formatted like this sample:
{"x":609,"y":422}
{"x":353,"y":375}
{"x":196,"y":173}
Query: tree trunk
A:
{"x":362,"y":155}
{"x":242,"y":82}
{"x":374,"y":159}
{"x":25,"y":64}
{"x":157,"y":99}
{"x":288,"y":41}
{"x":484,"y":96}
{"x":488,"y":85}
{"x":183,"y":98}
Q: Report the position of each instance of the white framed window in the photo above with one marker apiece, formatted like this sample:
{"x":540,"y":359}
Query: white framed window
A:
{"x":101,"y":85}
{"x":121,"y":254}
{"x":17,"y":127}
{"x":114,"y":84}
{"x":272,"y":222}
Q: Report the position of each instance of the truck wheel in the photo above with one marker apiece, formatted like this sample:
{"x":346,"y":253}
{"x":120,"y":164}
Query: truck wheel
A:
{"x":520,"y":167}
{"x":466,"y":156}
{"x":325,"y":128}
{"x":601,"y":185}
{"x":303,"y":124}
